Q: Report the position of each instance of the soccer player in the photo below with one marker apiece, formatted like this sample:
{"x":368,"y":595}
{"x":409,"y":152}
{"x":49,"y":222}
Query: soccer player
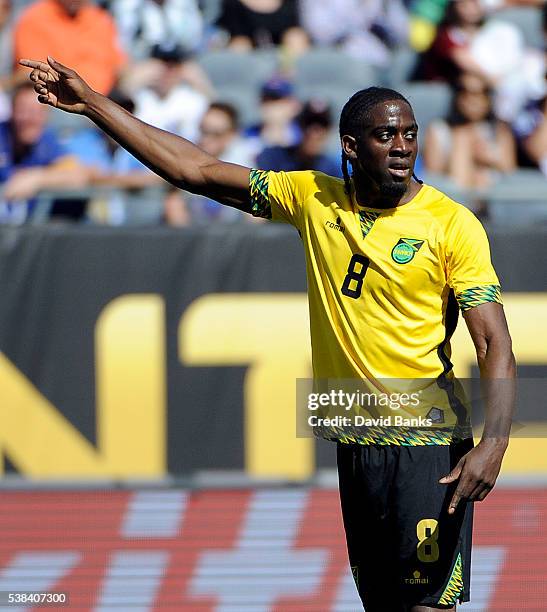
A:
{"x":389,"y":260}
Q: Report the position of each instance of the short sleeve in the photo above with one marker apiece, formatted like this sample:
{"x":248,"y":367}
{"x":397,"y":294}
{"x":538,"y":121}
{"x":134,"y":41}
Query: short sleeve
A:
{"x":280,"y":196}
{"x":470,"y":272}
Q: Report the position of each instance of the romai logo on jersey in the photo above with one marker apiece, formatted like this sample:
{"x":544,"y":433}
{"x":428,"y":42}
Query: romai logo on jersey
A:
{"x":337,"y":226}
{"x":405,"y":249}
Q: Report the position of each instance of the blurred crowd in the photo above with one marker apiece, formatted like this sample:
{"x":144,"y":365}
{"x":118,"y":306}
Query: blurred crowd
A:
{"x":261,"y":83}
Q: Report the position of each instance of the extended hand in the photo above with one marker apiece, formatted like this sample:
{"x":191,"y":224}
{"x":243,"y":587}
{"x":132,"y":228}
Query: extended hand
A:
{"x":58,"y":85}
{"x":477,"y":471}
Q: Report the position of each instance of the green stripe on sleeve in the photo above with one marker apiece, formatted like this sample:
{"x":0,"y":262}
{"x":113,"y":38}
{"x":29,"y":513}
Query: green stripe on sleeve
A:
{"x":258,"y":190}
{"x":469,"y":298}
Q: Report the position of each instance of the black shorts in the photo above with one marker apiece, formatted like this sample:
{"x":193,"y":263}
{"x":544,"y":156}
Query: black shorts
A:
{"x":404,"y":547}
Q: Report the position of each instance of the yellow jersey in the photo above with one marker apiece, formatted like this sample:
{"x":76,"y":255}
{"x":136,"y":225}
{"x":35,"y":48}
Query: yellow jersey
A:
{"x":384,"y":287}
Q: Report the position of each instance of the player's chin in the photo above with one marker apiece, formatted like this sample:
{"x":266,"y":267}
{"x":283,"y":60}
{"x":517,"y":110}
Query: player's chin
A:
{"x":393,"y":188}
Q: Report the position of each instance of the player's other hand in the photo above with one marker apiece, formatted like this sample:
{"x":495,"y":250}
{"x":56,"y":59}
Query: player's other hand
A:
{"x":58,"y":85}
{"x":476,"y":472}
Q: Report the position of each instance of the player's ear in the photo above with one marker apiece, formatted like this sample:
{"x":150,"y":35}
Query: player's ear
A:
{"x":349,"y":146}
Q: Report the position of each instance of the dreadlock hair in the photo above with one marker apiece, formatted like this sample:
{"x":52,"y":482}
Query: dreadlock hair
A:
{"x":356,"y":111}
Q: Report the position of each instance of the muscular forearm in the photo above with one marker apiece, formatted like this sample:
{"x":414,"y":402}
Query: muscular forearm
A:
{"x":498,"y":372}
{"x":478,"y":470}
{"x":175,"y":159}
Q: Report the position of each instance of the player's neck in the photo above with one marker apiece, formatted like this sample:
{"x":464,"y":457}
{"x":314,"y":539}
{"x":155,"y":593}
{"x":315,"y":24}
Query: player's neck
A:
{"x":368,"y":194}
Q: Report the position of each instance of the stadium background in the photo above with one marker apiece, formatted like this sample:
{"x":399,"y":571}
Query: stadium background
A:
{"x":147,"y":401}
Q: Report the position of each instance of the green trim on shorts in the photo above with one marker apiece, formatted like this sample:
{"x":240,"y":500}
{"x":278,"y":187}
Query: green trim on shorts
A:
{"x":454,"y":587}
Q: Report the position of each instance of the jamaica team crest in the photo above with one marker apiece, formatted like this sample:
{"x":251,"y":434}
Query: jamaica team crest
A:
{"x":405,"y":249}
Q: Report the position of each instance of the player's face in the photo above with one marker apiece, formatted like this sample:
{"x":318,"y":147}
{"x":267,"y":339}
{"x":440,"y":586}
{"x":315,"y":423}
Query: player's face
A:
{"x":385,"y":153}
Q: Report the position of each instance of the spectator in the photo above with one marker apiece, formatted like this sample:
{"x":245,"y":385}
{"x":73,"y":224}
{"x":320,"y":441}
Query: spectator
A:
{"x":531,"y":124}
{"x":531,"y":132}
{"x":220,"y":137}
{"x":6,"y":62}
{"x":109,"y":165}
{"x":74,"y":32}
{"x":145,"y":23}
{"x":146,"y":73}
{"x":452,"y":52}
{"x":470,"y":146}
{"x":169,"y":102}
{"x":362,"y":28}
{"x":278,"y":109}
{"x":426,"y":15}
{"x":263,"y":23}
{"x":494,"y":50}
{"x":519,"y":97}
{"x":315,"y":122}
{"x":31,"y":158}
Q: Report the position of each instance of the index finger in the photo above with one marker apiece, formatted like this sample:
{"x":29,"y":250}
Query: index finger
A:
{"x":456,"y":498}
{"x":34,"y":64}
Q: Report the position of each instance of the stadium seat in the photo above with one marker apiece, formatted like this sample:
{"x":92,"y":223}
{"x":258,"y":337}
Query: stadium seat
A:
{"x":519,"y":198}
{"x":238,"y":69}
{"x":267,"y":63}
{"x":447,"y":186}
{"x":401,"y":68}
{"x":517,"y":214}
{"x":245,"y":99}
{"x":335,"y":69}
{"x":523,"y":185}
{"x":429,"y":100}
{"x":336,"y":96}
